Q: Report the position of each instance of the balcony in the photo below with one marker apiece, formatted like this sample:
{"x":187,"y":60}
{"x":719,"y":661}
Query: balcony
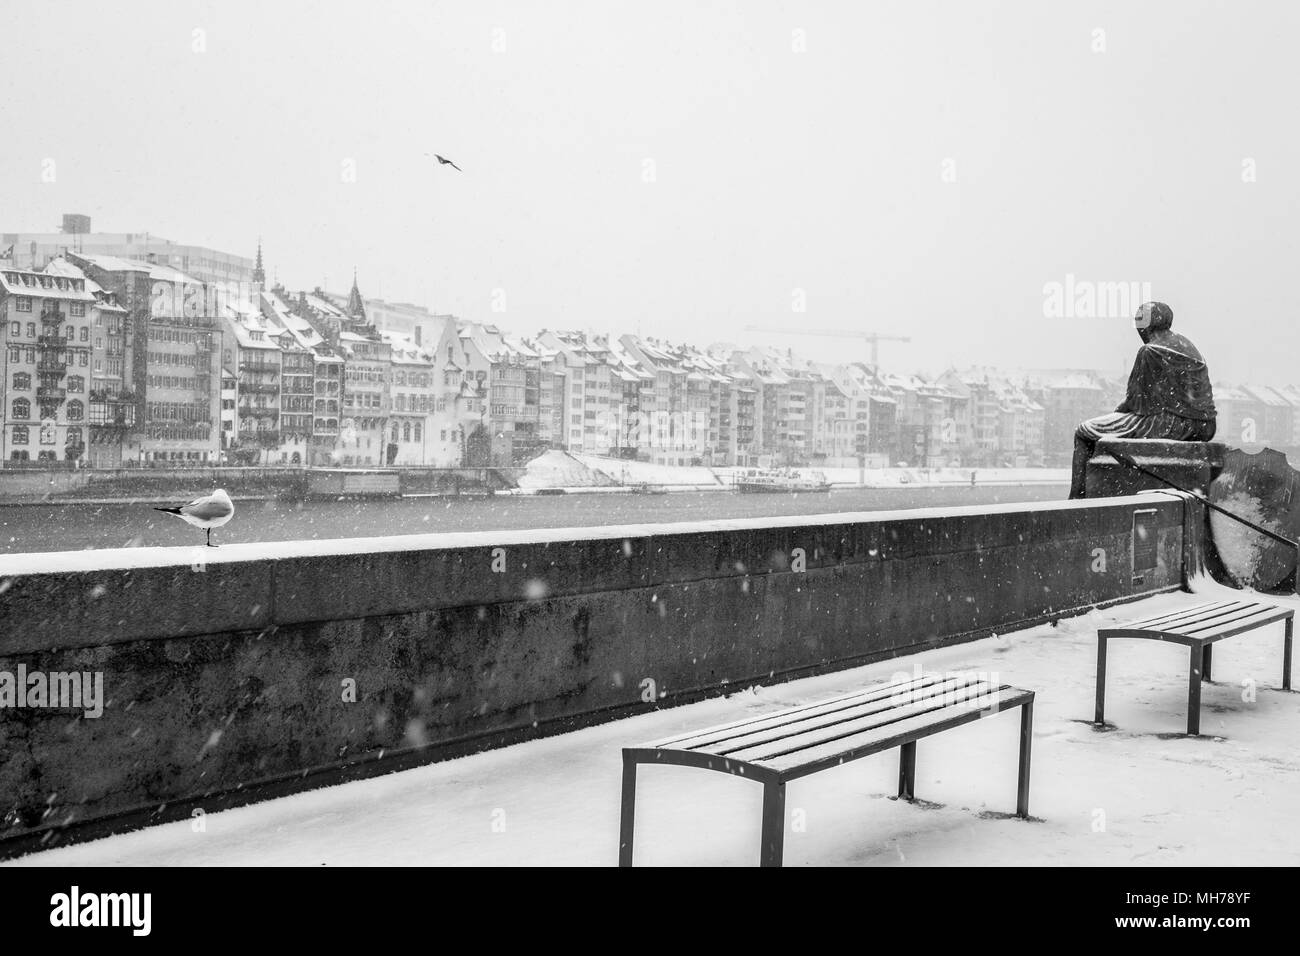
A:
{"x":53,"y":316}
{"x":259,"y":388}
{"x":257,"y":411}
{"x":50,"y":393}
{"x":52,"y":341}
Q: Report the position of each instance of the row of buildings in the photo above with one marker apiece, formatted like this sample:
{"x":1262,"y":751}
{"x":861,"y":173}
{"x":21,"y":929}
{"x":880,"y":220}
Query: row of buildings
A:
{"x":120,"y":351}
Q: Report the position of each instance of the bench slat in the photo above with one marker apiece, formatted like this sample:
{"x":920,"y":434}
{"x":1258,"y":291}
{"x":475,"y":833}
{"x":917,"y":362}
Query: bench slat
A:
{"x":800,"y":724}
{"x":1228,"y":628}
{"x":1222,"y":615}
{"x":1171,"y":622}
{"x":831,"y":753}
{"x":764,"y":753}
{"x":1172,"y":617}
{"x":700,"y":738}
{"x":1220,"y":620}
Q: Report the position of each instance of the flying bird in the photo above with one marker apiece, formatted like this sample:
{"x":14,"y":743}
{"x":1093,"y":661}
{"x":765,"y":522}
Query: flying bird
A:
{"x":210,"y":511}
{"x":447,"y":162}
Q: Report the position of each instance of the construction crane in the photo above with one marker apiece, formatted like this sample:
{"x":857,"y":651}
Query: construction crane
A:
{"x":875,"y":338}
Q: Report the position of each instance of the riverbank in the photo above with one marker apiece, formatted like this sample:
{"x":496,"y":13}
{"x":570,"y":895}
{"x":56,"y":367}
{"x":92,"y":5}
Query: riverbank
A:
{"x":550,"y":473}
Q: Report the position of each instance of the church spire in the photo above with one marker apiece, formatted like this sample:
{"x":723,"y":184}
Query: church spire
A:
{"x":259,"y":273}
{"x":356,"y":307}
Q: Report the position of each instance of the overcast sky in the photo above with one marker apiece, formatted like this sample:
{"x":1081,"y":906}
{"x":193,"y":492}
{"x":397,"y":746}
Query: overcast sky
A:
{"x":687,"y":169}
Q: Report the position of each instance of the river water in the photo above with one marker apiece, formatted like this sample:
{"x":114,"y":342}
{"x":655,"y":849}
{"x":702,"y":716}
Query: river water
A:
{"x":74,"y":527}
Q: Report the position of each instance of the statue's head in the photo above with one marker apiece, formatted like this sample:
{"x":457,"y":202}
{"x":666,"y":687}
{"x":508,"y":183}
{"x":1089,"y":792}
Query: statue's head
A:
{"x":1152,"y":317}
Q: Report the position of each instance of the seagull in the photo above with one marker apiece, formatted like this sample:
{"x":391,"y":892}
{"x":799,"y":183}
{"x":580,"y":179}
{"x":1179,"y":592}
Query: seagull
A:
{"x":447,"y":162}
{"x":210,"y":511}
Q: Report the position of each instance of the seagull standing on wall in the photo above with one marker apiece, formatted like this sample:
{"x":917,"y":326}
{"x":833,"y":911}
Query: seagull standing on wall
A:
{"x":210,"y":511}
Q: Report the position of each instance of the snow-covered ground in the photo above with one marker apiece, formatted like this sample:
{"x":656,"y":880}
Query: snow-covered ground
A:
{"x":1139,"y":794}
{"x":644,"y":472}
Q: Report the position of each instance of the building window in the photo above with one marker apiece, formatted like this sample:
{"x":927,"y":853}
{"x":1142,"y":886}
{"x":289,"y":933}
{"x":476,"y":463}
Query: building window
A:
{"x":76,"y":383}
{"x":23,"y":303}
{"x":22,"y":408}
{"x":85,"y":359}
{"x":74,"y":437}
{"x":76,"y":411}
{"x":22,"y":380}
{"x":406,"y":431}
{"x":21,"y":435}
{"x":77,"y":308}
{"x":418,"y":431}
{"x":15,"y":329}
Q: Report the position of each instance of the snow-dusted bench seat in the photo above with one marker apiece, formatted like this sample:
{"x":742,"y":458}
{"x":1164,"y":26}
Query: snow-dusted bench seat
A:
{"x":783,"y":746}
{"x":1198,"y":627}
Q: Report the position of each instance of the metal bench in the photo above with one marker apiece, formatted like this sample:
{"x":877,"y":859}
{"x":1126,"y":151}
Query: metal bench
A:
{"x":1198,"y":627}
{"x":783,"y":746}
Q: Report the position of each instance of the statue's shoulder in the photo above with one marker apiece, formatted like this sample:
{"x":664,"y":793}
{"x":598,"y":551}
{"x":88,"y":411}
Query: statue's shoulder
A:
{"x":1174,"y":342}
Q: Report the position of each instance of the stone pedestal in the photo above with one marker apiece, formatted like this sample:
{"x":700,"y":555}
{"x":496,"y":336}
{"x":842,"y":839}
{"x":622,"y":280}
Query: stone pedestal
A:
{"x":1188,"y":464}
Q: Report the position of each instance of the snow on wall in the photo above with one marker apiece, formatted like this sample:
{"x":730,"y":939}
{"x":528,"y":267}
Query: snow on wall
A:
{"x":103,"y":559}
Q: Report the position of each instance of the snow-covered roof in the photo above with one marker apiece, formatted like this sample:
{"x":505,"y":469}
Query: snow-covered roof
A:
{"x":114,"y":263}
{"x":28,"y":283}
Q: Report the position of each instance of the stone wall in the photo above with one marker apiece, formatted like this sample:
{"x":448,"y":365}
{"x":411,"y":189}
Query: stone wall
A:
{"x":254,"y":670}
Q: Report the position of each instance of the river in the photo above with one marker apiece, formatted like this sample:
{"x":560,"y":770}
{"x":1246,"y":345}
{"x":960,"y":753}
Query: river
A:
{"x":74,"y":527}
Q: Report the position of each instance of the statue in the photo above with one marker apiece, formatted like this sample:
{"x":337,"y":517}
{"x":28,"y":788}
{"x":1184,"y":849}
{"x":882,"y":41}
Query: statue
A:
{"x":1169,"y":394}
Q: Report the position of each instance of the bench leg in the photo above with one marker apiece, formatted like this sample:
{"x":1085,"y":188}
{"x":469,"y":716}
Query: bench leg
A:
{"x":1100,"y":714}
{"x":1207,"y":658}
{"x":1286,"y":651}
{"x":907,"y":771}
{"x":627,"y":823}
{"x":1026,"y":742}
{"x":771,"y":851}
{"x":1194,"y":692}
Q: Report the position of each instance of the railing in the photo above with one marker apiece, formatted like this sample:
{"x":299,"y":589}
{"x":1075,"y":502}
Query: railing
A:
{"x":51,"y":393}
{"x":52,"y":366}
{"x":46,"y":465}
{"x":101,"y":396}
{"x":52,"y":341}
{"x":259,"y":388}
{"x":257,"y":411}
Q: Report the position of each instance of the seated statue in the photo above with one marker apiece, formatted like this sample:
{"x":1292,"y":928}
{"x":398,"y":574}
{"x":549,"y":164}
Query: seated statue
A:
{"x":1169,"y":394}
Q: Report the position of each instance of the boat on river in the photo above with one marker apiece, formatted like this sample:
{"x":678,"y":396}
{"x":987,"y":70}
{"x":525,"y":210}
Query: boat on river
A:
{"x":780,"y":481}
